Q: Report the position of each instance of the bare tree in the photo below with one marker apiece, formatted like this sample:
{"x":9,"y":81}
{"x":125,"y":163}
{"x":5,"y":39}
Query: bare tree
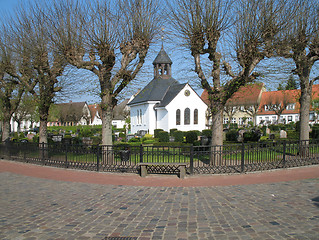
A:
{"x":301,"y":43}
{"x":109,"y":40}
{"x":10,"y":96}
{"x":10,"y":89}
{"x":40,"y":65}
{"x":201,"y":23}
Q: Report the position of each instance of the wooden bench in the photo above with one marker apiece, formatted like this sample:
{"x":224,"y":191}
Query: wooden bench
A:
{"x":181,"y":167}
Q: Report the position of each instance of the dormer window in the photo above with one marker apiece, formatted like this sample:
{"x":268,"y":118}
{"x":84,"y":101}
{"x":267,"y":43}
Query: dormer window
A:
{"x":291,"y":106}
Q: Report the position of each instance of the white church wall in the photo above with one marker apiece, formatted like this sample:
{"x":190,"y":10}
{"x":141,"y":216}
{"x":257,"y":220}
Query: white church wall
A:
{"x":142,"y":117}
{"x":162,"y":119}
{"x":187,"y":98}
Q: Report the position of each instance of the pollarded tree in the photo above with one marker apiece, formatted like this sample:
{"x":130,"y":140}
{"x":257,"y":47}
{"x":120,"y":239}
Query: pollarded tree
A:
{"x":300,"y":43}
{"x":254,"y":23}
{"x":110,"y":39}
{"x":41,"y":65}
{"x":10,"y":89}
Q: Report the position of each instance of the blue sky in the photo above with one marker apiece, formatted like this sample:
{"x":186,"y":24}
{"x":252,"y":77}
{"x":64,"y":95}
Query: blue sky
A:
{"x":6,"y":6}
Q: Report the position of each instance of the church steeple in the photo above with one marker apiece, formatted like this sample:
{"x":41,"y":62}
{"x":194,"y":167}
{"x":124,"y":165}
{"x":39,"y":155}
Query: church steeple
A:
{"x":162,"y":65}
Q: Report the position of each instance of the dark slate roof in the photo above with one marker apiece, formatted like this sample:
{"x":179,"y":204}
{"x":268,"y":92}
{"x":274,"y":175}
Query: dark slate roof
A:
{"x":154,"y":91}
{"x":162,"y":57}
{"x":120,"y":112}
{"x":170,"y":94}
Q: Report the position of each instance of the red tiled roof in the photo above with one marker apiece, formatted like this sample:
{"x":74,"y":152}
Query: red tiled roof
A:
{"x":246,"y":95}
{"x":291,"y":96}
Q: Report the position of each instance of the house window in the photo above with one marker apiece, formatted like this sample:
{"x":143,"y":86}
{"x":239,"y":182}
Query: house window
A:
{"x":233,"y":120}
{"x":291,"y":106}
{"x":240,"y":121}
{"x":196,"y":116}
{"x":141,"y":117}
{"x":178,"y":117}
{"x":225,"y":120}
{"x":274,"y":118}
{"x":187,"y":115}
{"x":289,"y":118}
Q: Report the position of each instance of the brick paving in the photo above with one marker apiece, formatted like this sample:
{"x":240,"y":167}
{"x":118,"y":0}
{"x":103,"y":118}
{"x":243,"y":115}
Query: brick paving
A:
{"x":37,"y":208}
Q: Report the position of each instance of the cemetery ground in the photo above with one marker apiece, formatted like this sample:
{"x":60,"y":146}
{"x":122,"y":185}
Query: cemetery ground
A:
{"x":39,"y":202}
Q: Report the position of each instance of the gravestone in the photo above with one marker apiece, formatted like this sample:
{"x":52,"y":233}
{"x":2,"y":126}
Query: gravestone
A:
{"x":267,"y":130}
{"x":283,"y":134}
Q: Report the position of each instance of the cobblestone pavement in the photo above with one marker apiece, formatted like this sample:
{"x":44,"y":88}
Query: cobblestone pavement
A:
{"x":34,"y":208}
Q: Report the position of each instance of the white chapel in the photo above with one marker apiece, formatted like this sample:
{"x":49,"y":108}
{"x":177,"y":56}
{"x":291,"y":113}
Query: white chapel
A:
{"x":165,"y":103}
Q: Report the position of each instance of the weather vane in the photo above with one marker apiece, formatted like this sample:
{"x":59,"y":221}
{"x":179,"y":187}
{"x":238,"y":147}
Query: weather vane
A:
{"x":162,"y":36}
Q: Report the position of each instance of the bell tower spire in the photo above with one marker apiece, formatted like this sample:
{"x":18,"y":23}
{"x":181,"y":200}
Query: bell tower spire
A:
{"x":162,"y":65}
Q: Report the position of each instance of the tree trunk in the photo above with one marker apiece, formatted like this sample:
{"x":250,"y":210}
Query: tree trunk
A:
{"x":304,"y":100}
{"x":217,"y":136}
{"x":107,"y":110}
{"x":5,"y":129}
{"x":43,"y":135}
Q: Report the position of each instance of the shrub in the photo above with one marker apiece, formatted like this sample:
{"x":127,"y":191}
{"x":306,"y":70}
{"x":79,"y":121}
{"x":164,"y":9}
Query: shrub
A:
{"x":163,"y":136}
{"x":134,"y":140}
{"x":149,"y":141}
{"x":170,"y":144}
{"x":156,"y":131}
{"x":207,"y":132}
{"x":253,"y":135}
{"x":191,"y":136}
{"x":233,"y":126}
{"x":315,"y":133}
{"x":292,"y":134}
{"x":171,"y":131}
{"x":232,"y":135}
{"x":179,"y":136}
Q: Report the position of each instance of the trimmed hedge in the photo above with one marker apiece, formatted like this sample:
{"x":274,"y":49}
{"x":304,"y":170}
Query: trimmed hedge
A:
{"x":191,"y":136}
{"x":179,"y":136}
{"x":163,"y":136}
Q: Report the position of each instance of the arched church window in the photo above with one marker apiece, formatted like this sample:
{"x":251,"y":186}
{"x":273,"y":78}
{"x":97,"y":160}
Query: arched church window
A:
{"x":196,"y":116}
{"x":178,"y":117}
{"x":187,"y":114}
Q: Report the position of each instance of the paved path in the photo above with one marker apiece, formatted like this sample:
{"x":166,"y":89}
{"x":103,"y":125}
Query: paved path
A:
{"x":53,"y":206}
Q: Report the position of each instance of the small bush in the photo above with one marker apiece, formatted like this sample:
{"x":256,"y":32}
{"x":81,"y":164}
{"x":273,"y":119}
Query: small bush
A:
{"x":232,"y":135}
{"x":315,"y":133}
{"x":134,"y":140}
{"x":253,"y":135}
{"x":170,"y":144}
{"x":191,"y":136}
{"x":207,"y":132}
{"x":156,"y":131}
{"x":179,"y":136}
{"x":171,"y":131}
{"x":163,"y":136}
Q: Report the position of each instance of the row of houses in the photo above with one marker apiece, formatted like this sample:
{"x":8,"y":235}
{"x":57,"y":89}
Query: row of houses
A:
{"x":166,"y":104}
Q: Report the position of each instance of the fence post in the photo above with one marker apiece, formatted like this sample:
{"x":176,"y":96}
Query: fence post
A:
{"x":66,"y":156}
{"x":191,"y":155}
{"x":284,"y":154}
{"x":42,"y":148}
{"x":141,"y":153}
{"x":242,"y":167}
{"x":97,"y":158}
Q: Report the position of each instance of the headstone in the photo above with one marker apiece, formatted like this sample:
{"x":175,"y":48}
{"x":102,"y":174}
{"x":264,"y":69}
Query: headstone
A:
{"x":57,"y":138}
{"x":30,"y":136}
{"x":283,"y":134}
{"x":241,"y":135}
{"x":267,"y":130}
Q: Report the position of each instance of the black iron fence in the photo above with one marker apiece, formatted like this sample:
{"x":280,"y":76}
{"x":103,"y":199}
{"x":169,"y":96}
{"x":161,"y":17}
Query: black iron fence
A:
{"x":233,"y":158}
